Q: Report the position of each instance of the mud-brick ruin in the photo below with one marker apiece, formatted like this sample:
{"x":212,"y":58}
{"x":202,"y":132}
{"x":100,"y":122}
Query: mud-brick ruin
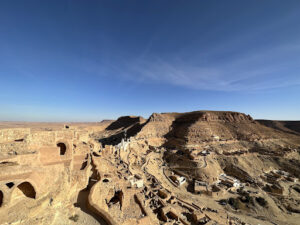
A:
{"x":201,"y":167}
{"x":40,"y":169}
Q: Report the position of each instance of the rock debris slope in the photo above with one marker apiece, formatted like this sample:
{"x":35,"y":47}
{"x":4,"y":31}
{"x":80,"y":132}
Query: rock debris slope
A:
{"x":202,"y":167}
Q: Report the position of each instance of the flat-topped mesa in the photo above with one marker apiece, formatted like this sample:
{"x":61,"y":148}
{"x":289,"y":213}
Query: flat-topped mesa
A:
{"x":198,"y":127}
{"x":226,"y":116}
{"x":159,"y":124}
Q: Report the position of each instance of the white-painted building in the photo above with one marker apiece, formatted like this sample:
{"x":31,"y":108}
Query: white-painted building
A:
{"x":136,"y":181}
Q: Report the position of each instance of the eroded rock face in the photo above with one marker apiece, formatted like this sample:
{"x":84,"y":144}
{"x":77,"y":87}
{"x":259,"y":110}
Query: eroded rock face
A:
{"x":197,"y":128}
{"x":201,"y":167}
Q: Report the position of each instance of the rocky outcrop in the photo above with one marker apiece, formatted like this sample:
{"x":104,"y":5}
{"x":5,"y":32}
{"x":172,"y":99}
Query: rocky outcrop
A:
{"x":194,"y":128}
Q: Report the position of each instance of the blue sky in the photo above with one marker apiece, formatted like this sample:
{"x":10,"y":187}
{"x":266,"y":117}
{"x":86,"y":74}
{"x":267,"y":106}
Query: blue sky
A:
{"x":93,"y":60}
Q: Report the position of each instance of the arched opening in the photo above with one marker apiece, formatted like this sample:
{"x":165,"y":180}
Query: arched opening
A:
{"x":63,"y":148}
{"x":27,"y":189}
{"x":1,"y":198}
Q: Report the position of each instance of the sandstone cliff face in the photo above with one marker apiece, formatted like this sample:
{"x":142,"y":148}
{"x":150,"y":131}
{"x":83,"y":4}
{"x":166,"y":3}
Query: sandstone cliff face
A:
{"x":157,"y":126}
{"x":194,"y":128}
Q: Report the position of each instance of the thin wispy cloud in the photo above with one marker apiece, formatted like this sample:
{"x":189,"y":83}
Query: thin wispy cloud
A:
{"x":158,"y":56}
{"x":264,"y":69}
{"x":244,"y":65}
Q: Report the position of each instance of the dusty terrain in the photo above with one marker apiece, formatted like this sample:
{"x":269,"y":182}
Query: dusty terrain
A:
{"x":202,"y":167}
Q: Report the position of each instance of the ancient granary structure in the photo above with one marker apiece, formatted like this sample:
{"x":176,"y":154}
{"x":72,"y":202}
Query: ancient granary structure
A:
{"x":36,"y":165}
{"x":43,"y":163}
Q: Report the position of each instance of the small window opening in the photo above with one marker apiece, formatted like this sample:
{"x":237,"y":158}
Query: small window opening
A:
{"x":63,"y":148}
{"x":10,"y":184}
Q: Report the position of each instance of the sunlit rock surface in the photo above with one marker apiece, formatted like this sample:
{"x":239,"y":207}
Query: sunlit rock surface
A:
{"x":201,"y":167}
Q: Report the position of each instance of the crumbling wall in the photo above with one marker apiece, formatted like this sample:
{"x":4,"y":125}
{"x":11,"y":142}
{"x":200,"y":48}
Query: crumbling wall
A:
{"x":8,"y":135}
{"x":42,"y":138}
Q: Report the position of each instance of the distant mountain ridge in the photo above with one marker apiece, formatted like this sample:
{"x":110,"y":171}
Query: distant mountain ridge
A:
{"x":285,"y":126}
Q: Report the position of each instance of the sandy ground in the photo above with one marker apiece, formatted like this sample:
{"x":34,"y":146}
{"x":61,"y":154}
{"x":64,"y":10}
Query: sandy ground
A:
{"x":53,"y":125}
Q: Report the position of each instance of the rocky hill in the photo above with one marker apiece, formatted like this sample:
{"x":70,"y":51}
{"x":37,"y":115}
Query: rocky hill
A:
{"x":202,"y":167}
{"x":195,"y":128}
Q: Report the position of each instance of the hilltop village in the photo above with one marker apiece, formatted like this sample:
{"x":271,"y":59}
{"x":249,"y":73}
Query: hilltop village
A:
{"x":202,"y":167}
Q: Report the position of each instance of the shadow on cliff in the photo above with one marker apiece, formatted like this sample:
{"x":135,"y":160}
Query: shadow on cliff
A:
{"x":179,"y":132}
{"x":125,"y":127}
{"x":124,"y":122}
{"x":177,"y":139}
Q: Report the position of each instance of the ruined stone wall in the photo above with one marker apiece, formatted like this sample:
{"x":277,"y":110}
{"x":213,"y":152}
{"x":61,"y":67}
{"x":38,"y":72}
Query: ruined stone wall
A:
{"x":42,"y":138}
{"x":82,"y":136}
{"x":8,"y":135}
{"x":35,"y":173}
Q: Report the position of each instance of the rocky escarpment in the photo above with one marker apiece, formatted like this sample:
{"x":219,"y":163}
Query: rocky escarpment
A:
{"x":123,"y":127}
{"x":195,"y":128}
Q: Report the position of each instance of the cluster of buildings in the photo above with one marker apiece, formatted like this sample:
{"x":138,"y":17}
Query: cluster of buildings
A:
{"x":229,"y":181}
{"x":278,"y":175}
